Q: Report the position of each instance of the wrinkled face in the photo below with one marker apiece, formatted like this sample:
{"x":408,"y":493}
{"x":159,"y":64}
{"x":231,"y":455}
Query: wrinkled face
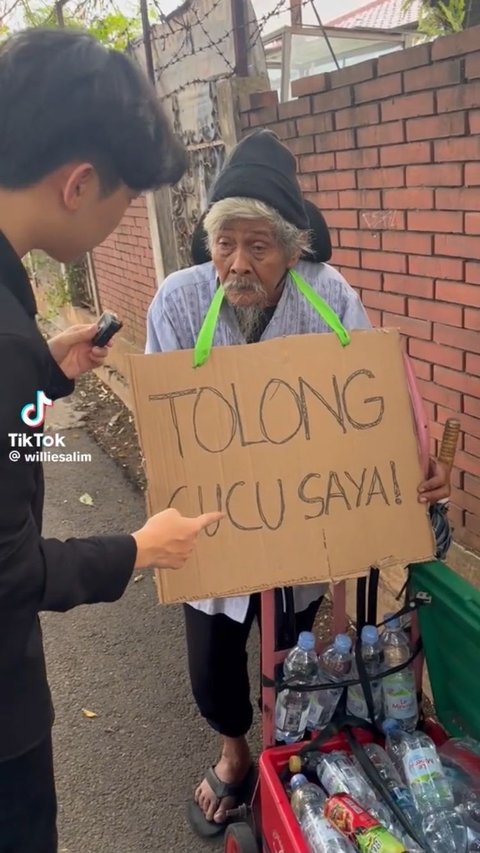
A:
{"x":250,"y":263}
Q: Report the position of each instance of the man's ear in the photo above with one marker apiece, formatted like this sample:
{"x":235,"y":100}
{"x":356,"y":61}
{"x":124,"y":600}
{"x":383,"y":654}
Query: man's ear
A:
{"x":79,"y":182}
{"x":294,"y":259}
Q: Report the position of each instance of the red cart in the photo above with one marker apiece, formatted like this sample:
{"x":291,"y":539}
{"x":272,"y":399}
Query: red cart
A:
{"x":269,"y":825}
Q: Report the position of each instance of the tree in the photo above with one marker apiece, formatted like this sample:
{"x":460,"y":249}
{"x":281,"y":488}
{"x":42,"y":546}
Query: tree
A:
{"x":439,"y":17}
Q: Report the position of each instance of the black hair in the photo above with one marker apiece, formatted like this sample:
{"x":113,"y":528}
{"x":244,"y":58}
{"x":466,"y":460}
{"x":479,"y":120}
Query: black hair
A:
{"x":66,"y":97}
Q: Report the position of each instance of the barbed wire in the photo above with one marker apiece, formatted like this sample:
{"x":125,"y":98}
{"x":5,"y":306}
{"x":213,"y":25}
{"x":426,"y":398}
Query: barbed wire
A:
{"x":197,"y":81}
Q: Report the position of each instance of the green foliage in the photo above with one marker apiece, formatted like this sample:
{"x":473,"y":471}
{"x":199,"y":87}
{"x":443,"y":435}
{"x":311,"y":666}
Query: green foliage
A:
{"x":439,"y":18}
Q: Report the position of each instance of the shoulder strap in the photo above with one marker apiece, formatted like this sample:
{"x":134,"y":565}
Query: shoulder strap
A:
{"x":206,"y":334}
{"x":321,"y":307}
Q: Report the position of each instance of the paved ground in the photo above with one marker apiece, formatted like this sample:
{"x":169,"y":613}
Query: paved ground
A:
{"x":124,"y":776}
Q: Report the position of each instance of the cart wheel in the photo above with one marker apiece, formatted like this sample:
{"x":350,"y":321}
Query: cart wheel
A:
{"x":239,"y":838}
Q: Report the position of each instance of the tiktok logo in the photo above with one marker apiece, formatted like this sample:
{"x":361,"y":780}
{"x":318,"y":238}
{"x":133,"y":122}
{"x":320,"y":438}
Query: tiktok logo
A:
{"x":33,"y":414}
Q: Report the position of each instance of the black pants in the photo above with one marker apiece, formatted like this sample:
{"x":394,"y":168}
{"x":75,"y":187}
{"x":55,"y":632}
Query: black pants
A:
{"x":217,"y":660}
{"x":28,"y":803}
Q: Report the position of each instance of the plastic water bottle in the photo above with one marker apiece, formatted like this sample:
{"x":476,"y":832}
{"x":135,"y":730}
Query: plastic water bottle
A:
{"x":301,"y":667}
{"x":399,"y":792}
{"x":307,"y":804}
{"x":416,"y":758}
{"x":371,"y":651}
{"x":399,"y":692}
{"x":335,"y":664}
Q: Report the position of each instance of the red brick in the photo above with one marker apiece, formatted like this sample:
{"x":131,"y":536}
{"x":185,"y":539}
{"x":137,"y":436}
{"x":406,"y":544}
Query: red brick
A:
{"x":437,"y":127}
{"x":317,"y":163}
{"x":334,"y":100}
{"x":259,"y":100}
{"x":366,"y":279}
{"x":337,"y":181}
{"x":469,"y":425}
{"x":406,"y":106}
{"x":472,"y":226}
{"x":472,"y":523}
{"x":437,"y":75}
{"x":436,"y":221}
{"x":409,"y":326}
{"x":308,"y":183}
{"x":414,"y":244}
{"x":471,"y":319}
{"x":472,"y":485}
{"x":384,"y":261}
{"x":360,"y":239}
{"x":439,"y":312}
{"x":336,"y":141}
{"x":471,"y":406}
{"x":433,"y":266}
{"x":465,"y":97}
{"x":285,"y":129}
{"x":342,"y":219}
{"x":450,"y":175}
{"x":436,"y":354}
{"x":380,"y":178}
{"x":353,"y":74}
{"x":376,"y":90}
{"x":457,"y":380}
{"x":391,"y":133}
{"x":472,"y":173}
{"x":357,"y":116}
{"x":260,"y":118}
{"x":456,"y":45}
{"x":302,"y":145}
{"x":293,"y":109}
{"x":362,"y":158}
{"x":384,"y":301}
{"x":441,"y":396}
{"x":474,"y":121}
{"x":472,"y":364}
{"x":472,"y":66}
{"x":469,"y":502}
{"x":456,"y":246}
{"x":457,"y":149}
{"x":408,"y":199}
{"x":456,"y":199}
{"x":409,"y":285}
{"x":324,"y":200}
{"x":346,"y":257}
{"x":309,"y":85}
{"x":412,"y":152}
{"x":460,"y":338}
{"x":462,"y":294}
{"x":383,"y":220}
{"x":375,"y":318}
{"x":472,"y":272}
{"x":402,"y":59}
{"x":315,"y":124}
{"x":360,"y":199}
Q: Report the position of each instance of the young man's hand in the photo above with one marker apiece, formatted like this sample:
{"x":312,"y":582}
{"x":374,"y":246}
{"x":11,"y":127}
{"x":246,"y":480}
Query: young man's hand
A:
{"x":167,"y":539}
{"x":73,"y":351}
{"x":437,"y":485}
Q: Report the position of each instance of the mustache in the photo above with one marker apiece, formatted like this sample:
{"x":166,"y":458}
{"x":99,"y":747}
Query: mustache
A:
{"x":245,"y":284}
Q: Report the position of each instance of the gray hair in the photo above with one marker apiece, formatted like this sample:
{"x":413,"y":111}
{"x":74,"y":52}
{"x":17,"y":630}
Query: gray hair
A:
{"x":288,"y":236}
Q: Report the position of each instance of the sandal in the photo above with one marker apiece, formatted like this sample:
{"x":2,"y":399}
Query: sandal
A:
{"x":239,"y":791}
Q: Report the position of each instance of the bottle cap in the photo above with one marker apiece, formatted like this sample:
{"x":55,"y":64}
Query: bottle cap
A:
{"x":389,"y":726}
{"x":297,"y":781}
{"x":306,"y":641}
{"x":295,"y":764}
{"x":342,"y":644}
{"x":369,"y":635}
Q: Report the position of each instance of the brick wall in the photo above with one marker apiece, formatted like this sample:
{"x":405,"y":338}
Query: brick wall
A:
{"x":390,"y":151}
{"x":125,"y":272}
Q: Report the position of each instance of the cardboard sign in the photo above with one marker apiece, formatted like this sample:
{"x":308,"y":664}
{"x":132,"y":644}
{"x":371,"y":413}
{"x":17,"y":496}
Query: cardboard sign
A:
{"x":307,"y":446}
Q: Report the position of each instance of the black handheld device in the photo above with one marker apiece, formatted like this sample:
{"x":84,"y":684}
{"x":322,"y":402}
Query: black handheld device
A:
{"x":108,"y":326}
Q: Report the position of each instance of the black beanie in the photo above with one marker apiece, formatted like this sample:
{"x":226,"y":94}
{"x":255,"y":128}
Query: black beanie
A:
{"x":320,"y":242}
{"x":261,"y":167}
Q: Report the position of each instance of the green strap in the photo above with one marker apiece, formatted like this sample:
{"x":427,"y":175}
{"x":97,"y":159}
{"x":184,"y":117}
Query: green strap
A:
{"x":204,"y":342}
{"x":206,"y":334}
{"x":321,"y":307}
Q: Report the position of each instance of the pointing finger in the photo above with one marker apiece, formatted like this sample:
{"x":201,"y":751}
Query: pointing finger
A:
{"x":208,"y":518}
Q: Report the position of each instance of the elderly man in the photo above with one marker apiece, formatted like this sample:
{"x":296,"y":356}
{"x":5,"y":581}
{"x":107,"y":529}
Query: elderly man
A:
{"x":257,"y":230}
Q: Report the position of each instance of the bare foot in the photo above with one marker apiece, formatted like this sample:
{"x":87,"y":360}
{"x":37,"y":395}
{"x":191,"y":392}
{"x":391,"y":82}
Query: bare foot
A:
{"x":232,"y":768}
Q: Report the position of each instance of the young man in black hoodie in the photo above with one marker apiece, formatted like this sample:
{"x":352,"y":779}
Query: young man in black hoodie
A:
{"x":82,"y":134}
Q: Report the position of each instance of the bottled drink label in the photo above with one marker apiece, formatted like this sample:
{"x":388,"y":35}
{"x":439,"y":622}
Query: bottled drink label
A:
{"x":400,"y":696}
{"x":292,"y":716}
{"x":331,"y":780}
{"x":360,"y":827}
{"x":357,"y":704}
{"x":423,"y":766}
